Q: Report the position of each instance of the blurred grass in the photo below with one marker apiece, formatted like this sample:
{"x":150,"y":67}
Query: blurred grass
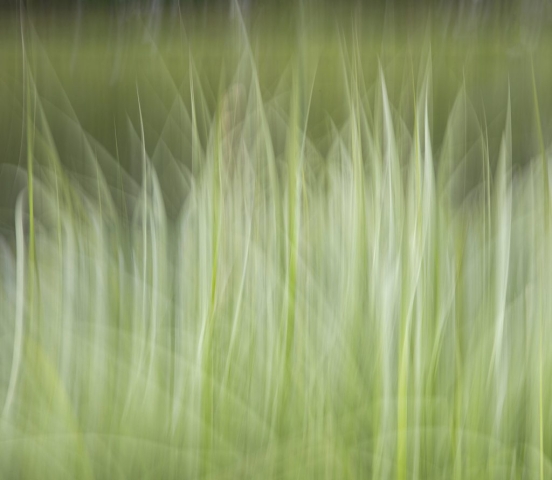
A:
{"x":99,"y":62}
{"x":315,"y":252}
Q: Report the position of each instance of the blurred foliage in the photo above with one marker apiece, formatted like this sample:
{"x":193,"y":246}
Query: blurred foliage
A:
{"x":298,"y":242}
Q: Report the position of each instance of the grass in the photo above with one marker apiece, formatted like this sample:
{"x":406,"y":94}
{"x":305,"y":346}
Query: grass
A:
{"x":234,"y":295}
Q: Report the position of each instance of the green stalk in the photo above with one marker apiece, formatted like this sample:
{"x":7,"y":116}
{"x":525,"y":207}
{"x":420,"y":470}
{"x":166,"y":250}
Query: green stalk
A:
{"x":457,"y":417}
{"x":29,"y":118}
{"x":291,"y":280}
{"x":547,"y":263}
{"x":207,"y":403}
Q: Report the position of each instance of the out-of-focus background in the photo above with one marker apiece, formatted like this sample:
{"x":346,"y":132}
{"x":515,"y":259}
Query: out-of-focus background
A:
{"x":96,"y":53}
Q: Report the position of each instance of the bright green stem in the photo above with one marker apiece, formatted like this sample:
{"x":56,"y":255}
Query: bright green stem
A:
{"x":546,"y":243}
{"x":207,"y":403}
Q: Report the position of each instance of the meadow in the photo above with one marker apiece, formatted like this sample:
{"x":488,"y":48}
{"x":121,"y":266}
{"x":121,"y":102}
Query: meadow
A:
{"x":256,"y":250}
